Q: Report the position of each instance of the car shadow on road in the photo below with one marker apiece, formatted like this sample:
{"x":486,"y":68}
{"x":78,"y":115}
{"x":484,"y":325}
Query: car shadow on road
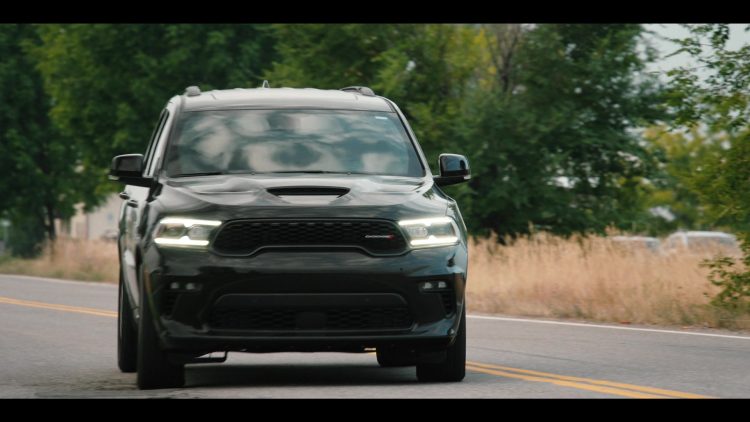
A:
{"x":289,"y":375}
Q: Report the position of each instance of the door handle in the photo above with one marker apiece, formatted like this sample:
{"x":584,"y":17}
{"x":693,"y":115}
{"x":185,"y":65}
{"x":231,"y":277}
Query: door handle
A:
{"x":132,"y":203}
{"x":124,"y":195}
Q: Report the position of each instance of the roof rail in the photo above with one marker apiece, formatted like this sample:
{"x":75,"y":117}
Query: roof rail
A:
{"x":192,"y":91}
{"x":361,"y":90}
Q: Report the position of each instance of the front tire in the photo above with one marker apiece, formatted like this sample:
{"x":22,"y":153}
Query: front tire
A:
{"x":453,"y":369}
{"x":154,"y":368}
{"x":127,"y":333}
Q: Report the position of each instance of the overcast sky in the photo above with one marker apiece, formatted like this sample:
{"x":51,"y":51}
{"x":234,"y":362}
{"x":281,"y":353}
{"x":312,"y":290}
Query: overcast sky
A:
{"x":737,"y":38}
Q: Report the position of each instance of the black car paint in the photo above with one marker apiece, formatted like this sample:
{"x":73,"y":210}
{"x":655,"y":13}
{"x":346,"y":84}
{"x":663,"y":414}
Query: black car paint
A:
{"x":305,"y":271}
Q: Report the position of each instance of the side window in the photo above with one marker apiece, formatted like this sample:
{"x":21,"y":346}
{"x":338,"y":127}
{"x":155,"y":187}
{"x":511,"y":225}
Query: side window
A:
{"x":154,"y":138}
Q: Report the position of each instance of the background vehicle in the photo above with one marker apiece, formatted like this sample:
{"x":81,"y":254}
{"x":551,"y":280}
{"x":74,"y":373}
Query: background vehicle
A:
{"x":651,"y":244}
{"x":110,"y":235}
{"x":701,"y":241}
{"x":268,"y":220}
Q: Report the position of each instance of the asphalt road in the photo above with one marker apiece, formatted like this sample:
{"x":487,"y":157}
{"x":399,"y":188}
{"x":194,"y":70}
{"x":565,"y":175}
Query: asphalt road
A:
{"x":58,"y":340}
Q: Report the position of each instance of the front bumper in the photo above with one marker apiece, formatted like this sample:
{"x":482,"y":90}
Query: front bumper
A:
{"x":300,"y":290}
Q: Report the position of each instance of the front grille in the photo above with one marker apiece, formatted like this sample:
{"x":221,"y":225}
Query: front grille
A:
{"x":248,"y":236}
{"x":375,"y":318}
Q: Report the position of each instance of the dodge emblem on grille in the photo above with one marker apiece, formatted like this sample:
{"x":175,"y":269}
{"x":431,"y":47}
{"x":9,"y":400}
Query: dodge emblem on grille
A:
{"x":379,"y":236}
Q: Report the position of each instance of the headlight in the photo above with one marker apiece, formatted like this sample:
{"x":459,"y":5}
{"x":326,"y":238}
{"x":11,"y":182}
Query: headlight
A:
{"x":184,"y":232}
{"x":429,"y":232}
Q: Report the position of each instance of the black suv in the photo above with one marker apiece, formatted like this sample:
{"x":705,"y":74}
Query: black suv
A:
{"x":270,"y":220}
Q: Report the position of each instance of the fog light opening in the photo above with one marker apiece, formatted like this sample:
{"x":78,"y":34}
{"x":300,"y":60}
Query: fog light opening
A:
{"x":177,"y":287}
{"x":433,"y":286}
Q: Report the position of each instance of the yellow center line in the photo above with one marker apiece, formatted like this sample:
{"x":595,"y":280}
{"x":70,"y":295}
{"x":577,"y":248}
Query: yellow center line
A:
{"x":621,"y":388}
{"x":58,"y":307}
{"x":578,"y":385}
{"x":600,"y":386}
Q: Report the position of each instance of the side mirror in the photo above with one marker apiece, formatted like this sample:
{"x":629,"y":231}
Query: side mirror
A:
{"x":454,"y":169}
{"x":128,"y":169}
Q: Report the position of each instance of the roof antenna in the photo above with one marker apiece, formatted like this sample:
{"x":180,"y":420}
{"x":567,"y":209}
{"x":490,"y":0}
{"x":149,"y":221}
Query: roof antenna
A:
{"x":265,"y":84}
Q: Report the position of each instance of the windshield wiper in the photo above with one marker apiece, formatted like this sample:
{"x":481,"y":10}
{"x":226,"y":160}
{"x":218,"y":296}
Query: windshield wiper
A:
{"x":206,"y":173}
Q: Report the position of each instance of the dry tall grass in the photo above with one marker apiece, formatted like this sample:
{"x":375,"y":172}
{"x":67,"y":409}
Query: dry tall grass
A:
{"x":73,"y":259}
{"x":593,"y":279}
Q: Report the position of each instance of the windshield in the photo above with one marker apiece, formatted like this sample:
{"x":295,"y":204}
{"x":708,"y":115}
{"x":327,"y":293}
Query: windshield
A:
{"x":290,"y":141}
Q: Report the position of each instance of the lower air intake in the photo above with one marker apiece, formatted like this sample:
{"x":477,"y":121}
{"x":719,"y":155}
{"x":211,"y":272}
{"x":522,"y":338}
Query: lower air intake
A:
{"x":376,"y":318}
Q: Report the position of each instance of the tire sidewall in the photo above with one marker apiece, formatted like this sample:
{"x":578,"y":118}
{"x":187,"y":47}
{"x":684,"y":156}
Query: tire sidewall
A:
{"x":127,"y":335}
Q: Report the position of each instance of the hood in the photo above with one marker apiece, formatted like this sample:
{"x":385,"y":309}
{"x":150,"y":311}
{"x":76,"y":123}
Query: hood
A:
{"x":274,"y":196}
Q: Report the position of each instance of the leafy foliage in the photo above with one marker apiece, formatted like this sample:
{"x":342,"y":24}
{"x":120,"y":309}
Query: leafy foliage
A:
{"x":109,"y":81}
{"x":725,"y":184}
{"x":719,"y":103}
{"x":734,"y":283}
{"x":331,"y":56}
{"x":673,"y":190}
{"x":39,"y":180}
{"x":556,"y":148}
{"x":720,"y":99}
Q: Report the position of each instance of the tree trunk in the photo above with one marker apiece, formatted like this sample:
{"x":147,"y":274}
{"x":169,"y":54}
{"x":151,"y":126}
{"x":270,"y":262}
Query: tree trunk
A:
{"x":51,"y":232}
{"x":503,"y":41}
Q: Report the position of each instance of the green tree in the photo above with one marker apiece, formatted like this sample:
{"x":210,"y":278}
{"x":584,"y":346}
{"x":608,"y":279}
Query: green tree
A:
{"x":673,"y":189}
{"x":329,"y":56}
{"x":554,"y":143}
{"x":109,"y":82}
{"x":431,"y":72}
{"x":39,"y":181}
{"x":715,"y":95}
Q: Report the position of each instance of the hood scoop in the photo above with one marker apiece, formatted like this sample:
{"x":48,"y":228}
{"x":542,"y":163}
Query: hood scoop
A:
{"x":308,"y":191}
{"x":308,"y":194}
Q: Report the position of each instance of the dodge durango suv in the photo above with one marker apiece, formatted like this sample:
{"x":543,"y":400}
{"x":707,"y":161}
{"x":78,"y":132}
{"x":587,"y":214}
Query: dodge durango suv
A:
{"x":279,"y":219}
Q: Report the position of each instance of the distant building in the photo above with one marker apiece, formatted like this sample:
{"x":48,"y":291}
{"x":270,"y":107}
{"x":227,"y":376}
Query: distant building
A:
{"x":101,"y":223}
